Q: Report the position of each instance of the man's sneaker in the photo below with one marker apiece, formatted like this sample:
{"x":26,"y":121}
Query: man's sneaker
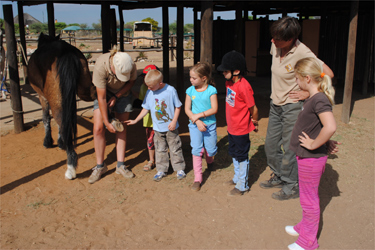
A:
{"x":97,"y":173}
{"x":158,"y":176}
{"x":282,"y":196}
{"x":196,"y":186}
{"x":273,"y":182}
{"x":290,"y":230}
{"x":236,"y":192}
{"x":124,"y":172}
{"x":181,"y":174}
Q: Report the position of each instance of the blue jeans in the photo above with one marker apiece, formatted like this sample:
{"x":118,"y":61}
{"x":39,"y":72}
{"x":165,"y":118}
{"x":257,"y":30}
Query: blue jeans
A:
{"x":241,"y":174}
{"x":122,"y":105}
{"x":206,"y":139}
{"x":280,"y":158}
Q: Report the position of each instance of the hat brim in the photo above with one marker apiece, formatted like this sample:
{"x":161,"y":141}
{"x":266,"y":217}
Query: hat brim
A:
{"x":122,"y":77}
{"x":221,"y":68}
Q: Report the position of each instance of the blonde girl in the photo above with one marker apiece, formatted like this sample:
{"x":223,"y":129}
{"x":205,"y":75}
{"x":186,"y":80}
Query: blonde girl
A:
{"x":201,"y":106}
{"x":311,"y":133}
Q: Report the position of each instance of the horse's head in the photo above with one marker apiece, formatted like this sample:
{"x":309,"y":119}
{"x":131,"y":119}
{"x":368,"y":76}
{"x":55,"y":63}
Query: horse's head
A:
{"x":44,"y":39}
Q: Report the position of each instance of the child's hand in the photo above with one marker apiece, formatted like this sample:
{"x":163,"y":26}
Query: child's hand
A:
{"x":306,"y":141}
{"x":194,"y":118}
{"x":332,"y":146}
{"x":172,"y":125}
{"x":130,"y":122}
{"x":255,"y":122}
{"x":201,"y":126}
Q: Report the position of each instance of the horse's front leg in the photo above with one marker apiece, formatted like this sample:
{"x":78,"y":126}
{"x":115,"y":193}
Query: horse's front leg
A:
{"x":48,"y":141}
{"x":72,"y":160}
{"x":60,"y":141}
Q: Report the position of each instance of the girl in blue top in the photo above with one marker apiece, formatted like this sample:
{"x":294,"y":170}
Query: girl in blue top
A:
{"x":201,"y":106}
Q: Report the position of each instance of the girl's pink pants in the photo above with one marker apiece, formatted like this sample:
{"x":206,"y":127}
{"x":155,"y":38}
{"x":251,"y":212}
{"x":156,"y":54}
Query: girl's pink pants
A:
{"x":309,"y":172}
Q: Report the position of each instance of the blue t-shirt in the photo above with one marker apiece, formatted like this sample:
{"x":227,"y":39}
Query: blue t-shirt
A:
{"x":200,"y":102}
{"x":162,"y":104}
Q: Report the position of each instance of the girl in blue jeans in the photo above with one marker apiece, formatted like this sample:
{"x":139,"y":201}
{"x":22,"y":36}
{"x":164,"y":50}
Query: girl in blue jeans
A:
{"x":201,"y":106}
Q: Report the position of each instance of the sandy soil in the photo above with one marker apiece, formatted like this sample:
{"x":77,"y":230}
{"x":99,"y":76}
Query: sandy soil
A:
{"x":42,"y":210}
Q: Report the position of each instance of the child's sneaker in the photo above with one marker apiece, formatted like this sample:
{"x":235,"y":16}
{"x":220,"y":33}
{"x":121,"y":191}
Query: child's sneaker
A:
{"x":158,"y":176}
{"x":181,"y":174}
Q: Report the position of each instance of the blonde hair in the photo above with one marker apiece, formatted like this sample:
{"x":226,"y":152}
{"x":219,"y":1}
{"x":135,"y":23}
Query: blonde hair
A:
{"x":153,"y":77}
{"x":114,"y":50}
{"x":311,"y":67}
{"x":203,"y":70}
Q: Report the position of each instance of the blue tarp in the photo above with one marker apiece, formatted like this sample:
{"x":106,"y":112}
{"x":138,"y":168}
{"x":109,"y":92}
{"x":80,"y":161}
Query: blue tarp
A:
{"x":73,"y":28}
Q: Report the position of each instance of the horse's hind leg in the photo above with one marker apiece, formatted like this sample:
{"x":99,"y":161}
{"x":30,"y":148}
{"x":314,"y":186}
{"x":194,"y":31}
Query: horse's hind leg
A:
{"x":48,"y":141}
{"x":72,"y":164}
{"x":60,"y":141}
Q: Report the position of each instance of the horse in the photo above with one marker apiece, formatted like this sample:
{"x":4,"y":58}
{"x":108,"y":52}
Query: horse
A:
{"x":59,"y":72}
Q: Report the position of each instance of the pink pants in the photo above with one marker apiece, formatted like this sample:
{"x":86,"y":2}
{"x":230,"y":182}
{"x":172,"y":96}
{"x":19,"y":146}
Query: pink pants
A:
{"x":309,"y":172}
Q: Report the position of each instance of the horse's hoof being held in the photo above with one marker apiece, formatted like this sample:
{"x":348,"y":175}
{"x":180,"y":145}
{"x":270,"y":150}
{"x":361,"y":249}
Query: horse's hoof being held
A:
{"x":70,"y":173}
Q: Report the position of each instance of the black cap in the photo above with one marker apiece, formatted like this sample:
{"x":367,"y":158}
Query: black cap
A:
{"x":233,"y":60}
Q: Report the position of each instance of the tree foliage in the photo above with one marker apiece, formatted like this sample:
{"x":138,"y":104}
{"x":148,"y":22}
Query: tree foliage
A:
{"x":97,"y":26}
{"x":188,"y":28}
{"x":153,"y":22}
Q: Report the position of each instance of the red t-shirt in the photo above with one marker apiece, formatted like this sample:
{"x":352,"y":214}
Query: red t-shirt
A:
{"x":239,"y":99}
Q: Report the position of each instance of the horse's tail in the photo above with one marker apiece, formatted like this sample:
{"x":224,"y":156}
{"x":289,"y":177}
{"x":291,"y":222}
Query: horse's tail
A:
{"x":69,"y":71}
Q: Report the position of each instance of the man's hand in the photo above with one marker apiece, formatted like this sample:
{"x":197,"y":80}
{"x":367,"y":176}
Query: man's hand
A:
{"x":299,"y":95}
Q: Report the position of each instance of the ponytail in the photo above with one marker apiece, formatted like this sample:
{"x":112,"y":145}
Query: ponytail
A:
{"x":311,"y":67}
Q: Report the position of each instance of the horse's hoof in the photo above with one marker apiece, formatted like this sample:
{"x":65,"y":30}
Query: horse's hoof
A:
{"x":70,"y":173}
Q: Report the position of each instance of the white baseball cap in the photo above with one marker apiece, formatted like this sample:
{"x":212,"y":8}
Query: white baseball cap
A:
{"x":123,"y":64}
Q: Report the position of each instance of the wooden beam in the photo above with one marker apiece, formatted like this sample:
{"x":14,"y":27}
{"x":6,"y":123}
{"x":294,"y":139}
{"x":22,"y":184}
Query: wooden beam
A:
{"x":206,"y":31}
{"x":113,"y":28}
{"x":238,"y":38}
{"x":23,"y":41}
{"x":165,"y":43}
{"x":106,"y":34}
{"x":121,"y":17}
{"x":180,"y":53}
{"x":15,"y":90}
{"x":350,"y":62}
{"x":51,"y":19}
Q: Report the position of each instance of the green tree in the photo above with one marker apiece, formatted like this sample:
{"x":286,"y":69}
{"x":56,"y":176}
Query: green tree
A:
{"x":73,"y":24}
{"x":189,"y":28}
{"x":129,"y":25}
{"x":153,"y":22}
{"x":83,"y":26}
{"x":1,"y":23}
{"x":60,"y":25}
{"x":38,"y":27}
{"x":97,"y":26}
{"x":173,"y":28}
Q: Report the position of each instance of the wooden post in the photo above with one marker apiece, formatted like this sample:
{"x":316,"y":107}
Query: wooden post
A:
{"x":172,"y":46}
{"x":370,"y":46}
{"x":106,"y":41}
{"x":51,"y":19}
{"x":196,"y":43}
{"x":180,"y":53}
{"x":15,"y":90}
{"x":165,"y":43}
{"x":238,"y":38}
{"x":350,"y":62}
{"x":206,"y":31}
{"x":121,"y":28}
{"x":112,"y":19}
{"x":23,"y":41}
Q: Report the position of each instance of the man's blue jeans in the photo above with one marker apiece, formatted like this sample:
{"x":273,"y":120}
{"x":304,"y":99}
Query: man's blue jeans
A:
{"x":280,"y":158}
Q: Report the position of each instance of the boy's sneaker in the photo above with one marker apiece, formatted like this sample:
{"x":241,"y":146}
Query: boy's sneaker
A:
{"x":236,"y":192}
{"x":124,"y":172}
{"x":181,"y":174}
{"x":158,"y":176}
{"x":273,"y":182}
{"x":97,"y":173}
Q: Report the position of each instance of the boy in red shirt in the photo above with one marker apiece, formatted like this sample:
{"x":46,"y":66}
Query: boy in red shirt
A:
{"x":241,"y":116}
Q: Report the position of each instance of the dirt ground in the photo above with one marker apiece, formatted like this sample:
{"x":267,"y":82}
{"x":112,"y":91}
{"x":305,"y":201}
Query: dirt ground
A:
{"x":40,"y":209}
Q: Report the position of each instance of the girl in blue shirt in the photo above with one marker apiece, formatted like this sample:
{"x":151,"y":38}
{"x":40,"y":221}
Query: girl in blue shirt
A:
{"x":201,"y":106}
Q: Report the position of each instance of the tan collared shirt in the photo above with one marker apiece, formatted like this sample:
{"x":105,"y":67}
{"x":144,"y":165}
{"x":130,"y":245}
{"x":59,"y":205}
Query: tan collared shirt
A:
{"x":103,"y":77}
{"x":283,"y":79}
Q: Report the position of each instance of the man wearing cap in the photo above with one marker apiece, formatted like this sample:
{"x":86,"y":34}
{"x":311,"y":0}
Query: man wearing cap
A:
{"x":114,"y":76}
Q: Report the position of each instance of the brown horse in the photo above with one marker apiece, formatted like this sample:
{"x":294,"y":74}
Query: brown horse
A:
{"x":58,"y":72}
